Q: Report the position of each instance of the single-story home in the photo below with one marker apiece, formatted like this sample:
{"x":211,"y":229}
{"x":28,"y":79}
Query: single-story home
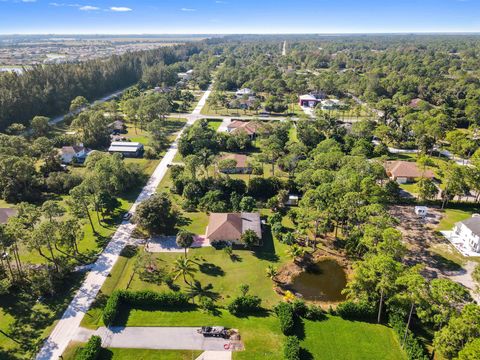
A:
{"x":242,"y":103}
{"x":241,"y":167}
{"x":126,"y":148}
{"x":117,"y":127}
{"x":311,"y":99}
{"x":186,"y":75}
{"x":406,"y":171}
{"x":468,"y":231}
{"x":6,"y":213}
{"x":76,"y":153}
{"x":231,"y":226}
{"x":244,"y":91}
{"x":249,"y":127}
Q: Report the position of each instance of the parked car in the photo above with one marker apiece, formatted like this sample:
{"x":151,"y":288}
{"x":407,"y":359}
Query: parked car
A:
{"x":214,"y":331}
{"x":127,"y":216}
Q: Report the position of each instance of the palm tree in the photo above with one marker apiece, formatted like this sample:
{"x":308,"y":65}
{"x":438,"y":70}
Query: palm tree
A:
{"x":271,"y":272}
{"x":197,"y":290}
{"x":295,"y":252}
{"x":184,"y":240}
{"x":183,"y":267}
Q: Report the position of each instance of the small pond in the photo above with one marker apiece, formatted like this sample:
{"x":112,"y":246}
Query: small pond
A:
{"x":323,"y":281}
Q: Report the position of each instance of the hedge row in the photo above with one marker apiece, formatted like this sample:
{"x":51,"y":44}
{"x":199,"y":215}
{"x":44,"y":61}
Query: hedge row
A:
{"x":412,"y":346}
{"x":145,"y":298}
{"x":360,"y":310}
{"x":91,"y":350}
{"x":291,"y":348}
{"x":286,"y":316}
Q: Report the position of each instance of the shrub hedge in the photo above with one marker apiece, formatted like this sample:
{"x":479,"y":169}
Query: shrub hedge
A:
{"x":291,"y":348}
{"x":245,"y":304}
{"x":286,"y":315}
{"x":412,"y":346}
{"x":91,"y":350}
{"x":360,"y":310}
{"x":145,"y":298}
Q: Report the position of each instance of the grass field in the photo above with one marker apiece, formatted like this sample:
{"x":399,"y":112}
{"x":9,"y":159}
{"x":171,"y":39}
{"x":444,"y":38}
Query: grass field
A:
{"x":137,"y":354}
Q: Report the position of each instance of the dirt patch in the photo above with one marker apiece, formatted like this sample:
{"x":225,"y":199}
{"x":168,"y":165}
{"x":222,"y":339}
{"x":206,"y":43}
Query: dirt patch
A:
{"x":420,"y":237}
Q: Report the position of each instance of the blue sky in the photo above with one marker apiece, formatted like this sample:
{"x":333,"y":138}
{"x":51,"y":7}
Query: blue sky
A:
{"x":237,"y":16}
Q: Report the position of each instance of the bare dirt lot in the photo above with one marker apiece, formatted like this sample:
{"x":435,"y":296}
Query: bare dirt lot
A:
{"x":420,"y":236}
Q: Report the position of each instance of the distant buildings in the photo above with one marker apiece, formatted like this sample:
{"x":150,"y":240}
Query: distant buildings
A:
{"x":241,"y":164}
{"x":249,"y":127}
{"x":126,"y":148}
{"x":74,"y":154}
{"x":311,"y":100}
{"x":244,"y":92}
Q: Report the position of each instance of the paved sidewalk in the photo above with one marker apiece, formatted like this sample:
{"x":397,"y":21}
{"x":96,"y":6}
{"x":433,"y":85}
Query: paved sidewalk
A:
{"x":68,"y":325}
{"x":215,"y":355}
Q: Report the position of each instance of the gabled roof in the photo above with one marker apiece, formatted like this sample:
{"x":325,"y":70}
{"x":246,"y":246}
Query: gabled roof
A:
{"x":473,"y":224}
{"x":75,"y":149}
{"x":5,"y":214}
{"x":231,"y":226}
{"x":249,"y":127}
{"x":225,"y":226}
{"x":239,"y":158}
{"x":407,"y":169}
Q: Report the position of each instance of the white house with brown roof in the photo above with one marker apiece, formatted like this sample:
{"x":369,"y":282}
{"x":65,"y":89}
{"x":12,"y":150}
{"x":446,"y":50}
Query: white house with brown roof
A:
{"x":405,"y":171}
{"x":231,"y":226}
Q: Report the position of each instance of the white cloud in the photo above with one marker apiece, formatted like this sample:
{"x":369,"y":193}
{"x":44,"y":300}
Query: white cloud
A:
{"x":89,"y":8}
{"x":120,"y":8}
{"x":188,"y":9}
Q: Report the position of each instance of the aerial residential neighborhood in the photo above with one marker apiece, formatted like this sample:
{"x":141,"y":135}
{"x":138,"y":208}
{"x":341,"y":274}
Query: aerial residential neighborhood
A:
{"x":219,"y":180}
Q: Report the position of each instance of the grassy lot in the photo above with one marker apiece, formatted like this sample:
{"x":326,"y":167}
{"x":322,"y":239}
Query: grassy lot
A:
{"x":214,"y":124}
{"x":452,"y":216}
{"x":138,"y":354}
{"x":336,"y":338}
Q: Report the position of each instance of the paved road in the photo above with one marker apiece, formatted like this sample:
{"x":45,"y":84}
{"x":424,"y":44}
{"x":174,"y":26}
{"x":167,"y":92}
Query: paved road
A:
{"x":60,"y":118}
{"x":68,"y":325}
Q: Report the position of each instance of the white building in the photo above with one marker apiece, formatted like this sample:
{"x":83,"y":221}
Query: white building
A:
{"x":76,"y":153}
{"x":244,"y":91}
{"x":468,"y":231}
{"x":126,"y":148}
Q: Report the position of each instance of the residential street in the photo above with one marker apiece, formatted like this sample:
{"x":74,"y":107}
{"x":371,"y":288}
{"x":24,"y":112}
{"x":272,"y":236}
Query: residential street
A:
{"x":68,"y":325}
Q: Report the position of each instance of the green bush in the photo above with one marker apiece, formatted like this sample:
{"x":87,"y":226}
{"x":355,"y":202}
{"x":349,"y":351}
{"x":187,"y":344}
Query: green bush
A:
{"x":314,"y":313}
{"x":244,"y":305}
{"x":361,"y":310}
{"x":141,"y":299}
{"x":291,"y":348}
{"x":286,"y":316}
{"x":91,"y":350}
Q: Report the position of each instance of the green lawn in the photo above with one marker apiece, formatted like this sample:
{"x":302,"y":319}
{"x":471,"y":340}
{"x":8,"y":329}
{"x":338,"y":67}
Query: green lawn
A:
{"x":214,"y":124}
{"x":452,"y":216}
{"x":137,"y":354}
{"x":336,"y":338}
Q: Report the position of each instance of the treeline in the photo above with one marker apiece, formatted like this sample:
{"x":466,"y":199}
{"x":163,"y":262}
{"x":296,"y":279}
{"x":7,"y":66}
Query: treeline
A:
{"x":48,"y":90}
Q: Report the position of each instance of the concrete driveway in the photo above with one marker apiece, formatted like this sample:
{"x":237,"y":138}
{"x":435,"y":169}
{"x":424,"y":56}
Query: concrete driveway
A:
{"x":166,"y":338}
